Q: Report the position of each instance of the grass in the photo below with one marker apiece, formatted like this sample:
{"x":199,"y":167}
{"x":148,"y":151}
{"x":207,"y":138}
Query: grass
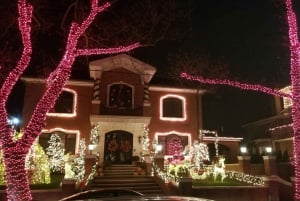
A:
{"x":226,"y":182}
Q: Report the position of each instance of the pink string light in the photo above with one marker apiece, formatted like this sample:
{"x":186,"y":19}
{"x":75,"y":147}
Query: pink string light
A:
{"x":244,"y":86}
{"x":14,"y":152}
{"x":295,"y":83}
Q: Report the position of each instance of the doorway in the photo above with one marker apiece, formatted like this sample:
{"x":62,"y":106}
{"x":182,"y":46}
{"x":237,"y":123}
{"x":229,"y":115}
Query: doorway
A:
{"x":118,"y":147}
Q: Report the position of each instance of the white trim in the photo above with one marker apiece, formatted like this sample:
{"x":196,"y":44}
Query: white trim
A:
{"x":177,"y":90}
{"x":74,"y":109}
{"x":222,"y":139}
{"x":122,"y":119}
{"x":183,"y":104}
{"x":70,"y":82}
{"x":189,"y":135}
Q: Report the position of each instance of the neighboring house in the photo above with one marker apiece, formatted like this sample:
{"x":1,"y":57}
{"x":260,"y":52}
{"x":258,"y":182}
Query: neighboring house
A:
{"x":122,"y":101}
{"x":275,"y":131}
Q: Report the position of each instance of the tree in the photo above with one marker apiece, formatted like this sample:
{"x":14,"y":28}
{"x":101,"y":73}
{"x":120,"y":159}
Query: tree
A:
{"x":56,"y":153}
{"x":295,"y":85}
{"x":14,"y":151}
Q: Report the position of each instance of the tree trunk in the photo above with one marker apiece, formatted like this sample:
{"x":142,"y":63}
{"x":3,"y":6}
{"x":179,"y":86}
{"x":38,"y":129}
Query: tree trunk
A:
{"x":17,"y":182}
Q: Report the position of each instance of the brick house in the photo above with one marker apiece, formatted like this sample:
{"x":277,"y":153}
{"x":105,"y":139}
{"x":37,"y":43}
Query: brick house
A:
{"x":120,"y":98}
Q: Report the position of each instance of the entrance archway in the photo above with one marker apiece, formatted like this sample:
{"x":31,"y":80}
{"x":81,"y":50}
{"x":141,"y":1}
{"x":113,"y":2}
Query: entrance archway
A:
{"x":118,"y":147}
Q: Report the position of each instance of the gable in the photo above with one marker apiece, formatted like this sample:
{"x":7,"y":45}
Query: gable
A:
{"x":125,"y":61}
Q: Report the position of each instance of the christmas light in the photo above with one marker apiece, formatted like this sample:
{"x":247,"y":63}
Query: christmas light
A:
{"x":295,"y":86}
{"x":280,"y":127}
{"x":244,"y":86}
{"x":287,"y":102}
{"x":78,"y":162}
{"x":161,"y":107}
{"x":56,"y":153}
{"x":73,"y":132}
{"x":14,"y":152}
{"x":295,"y":83}
{"x":95,"y":135}
{"x":74,"y":109}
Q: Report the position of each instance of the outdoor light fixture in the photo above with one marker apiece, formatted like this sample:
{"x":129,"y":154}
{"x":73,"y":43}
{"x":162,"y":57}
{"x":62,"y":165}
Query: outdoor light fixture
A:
{"x":158,"y":148}
{"x":268,"y":150}
{"x":91,"y":148}
{"x":243,"y":150}
{"x":14,"y":121}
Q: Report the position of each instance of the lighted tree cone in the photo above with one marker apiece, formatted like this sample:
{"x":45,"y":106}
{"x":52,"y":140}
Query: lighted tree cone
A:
{"x":295,"y":85}
{"x":14,"y":152}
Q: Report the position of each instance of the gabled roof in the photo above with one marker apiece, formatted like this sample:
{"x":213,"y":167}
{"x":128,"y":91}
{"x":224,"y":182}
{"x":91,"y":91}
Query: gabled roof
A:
{"x":121,"y":61}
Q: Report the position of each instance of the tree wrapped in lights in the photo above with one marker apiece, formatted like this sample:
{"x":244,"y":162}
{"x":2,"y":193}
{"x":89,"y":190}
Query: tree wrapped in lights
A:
{"x":95,"y":134}
{"x":145,"y":139}
{"x":37,"y":164}
{"x":56,"y":152}
{"x":78,"y":162}
{"x":14,"y":152}
{"x":295,"y":85}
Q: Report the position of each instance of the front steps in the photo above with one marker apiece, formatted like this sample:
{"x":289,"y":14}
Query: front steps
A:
{"x":123,"y":177}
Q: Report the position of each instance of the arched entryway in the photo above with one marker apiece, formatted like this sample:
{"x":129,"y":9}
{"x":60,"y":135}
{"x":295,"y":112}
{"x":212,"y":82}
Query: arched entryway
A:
{"x":118,"y":147}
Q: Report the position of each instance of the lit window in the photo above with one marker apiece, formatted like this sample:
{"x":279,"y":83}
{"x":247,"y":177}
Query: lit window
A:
{"x":173,"y":142}
{"x":120,"y":96}
{"x":69,"y":139}
{"x":172,"y":108}
{"x":287,"y":102}
{"x":65,"y":105}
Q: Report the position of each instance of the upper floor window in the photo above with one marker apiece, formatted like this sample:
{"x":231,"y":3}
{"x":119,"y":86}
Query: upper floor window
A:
{"x":287,"y":102}
{"x":65,"y":104}
{"x":172,"y":108}
{"x":120,"y":95}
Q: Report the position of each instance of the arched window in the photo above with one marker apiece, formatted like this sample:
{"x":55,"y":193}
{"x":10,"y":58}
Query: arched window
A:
{"x":172,"y":108}
{"x":120,"y":95}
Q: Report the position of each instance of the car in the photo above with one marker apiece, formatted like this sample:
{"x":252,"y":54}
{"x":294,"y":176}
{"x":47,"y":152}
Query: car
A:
{"x":125,"y":195}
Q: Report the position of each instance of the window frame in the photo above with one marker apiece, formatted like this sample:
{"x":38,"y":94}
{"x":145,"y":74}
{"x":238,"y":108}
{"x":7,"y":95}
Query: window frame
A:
{"x":74,"y":109}
{"x":183,"y":104}
{"x":120,"y":83}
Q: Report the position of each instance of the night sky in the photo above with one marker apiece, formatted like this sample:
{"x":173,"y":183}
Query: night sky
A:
{"x":249,"y":35}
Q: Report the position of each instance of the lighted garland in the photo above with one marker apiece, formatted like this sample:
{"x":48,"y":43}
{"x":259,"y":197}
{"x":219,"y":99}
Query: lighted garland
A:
{"x":95,"y":134}
{"x":247,"y":178}
{"x":78,"y":162}
{"x":244,"y":86}
{"x":280,"y":127}
{"x":14,"y":152}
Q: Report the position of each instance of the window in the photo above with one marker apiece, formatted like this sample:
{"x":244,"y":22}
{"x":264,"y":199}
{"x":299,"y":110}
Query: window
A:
{"x":68,"y":140}
{"x":65,"y":105}
{"x":120,"y":96}
{"x":173,"y":142}
{"x":172,"y":108}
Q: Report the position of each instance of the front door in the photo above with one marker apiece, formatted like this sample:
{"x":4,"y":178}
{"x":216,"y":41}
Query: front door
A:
{"x":118,"y":147}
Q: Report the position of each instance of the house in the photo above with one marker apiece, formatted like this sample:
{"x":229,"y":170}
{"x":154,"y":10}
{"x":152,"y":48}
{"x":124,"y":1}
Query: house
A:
{"x":123,"y":103}
{"x":275,"y":131}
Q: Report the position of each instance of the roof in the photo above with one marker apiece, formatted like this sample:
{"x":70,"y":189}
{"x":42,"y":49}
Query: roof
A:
{"x":122,"y":60}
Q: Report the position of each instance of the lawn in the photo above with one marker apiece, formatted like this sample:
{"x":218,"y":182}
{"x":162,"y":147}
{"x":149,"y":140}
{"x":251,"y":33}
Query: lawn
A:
{"x":226,"y":182}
